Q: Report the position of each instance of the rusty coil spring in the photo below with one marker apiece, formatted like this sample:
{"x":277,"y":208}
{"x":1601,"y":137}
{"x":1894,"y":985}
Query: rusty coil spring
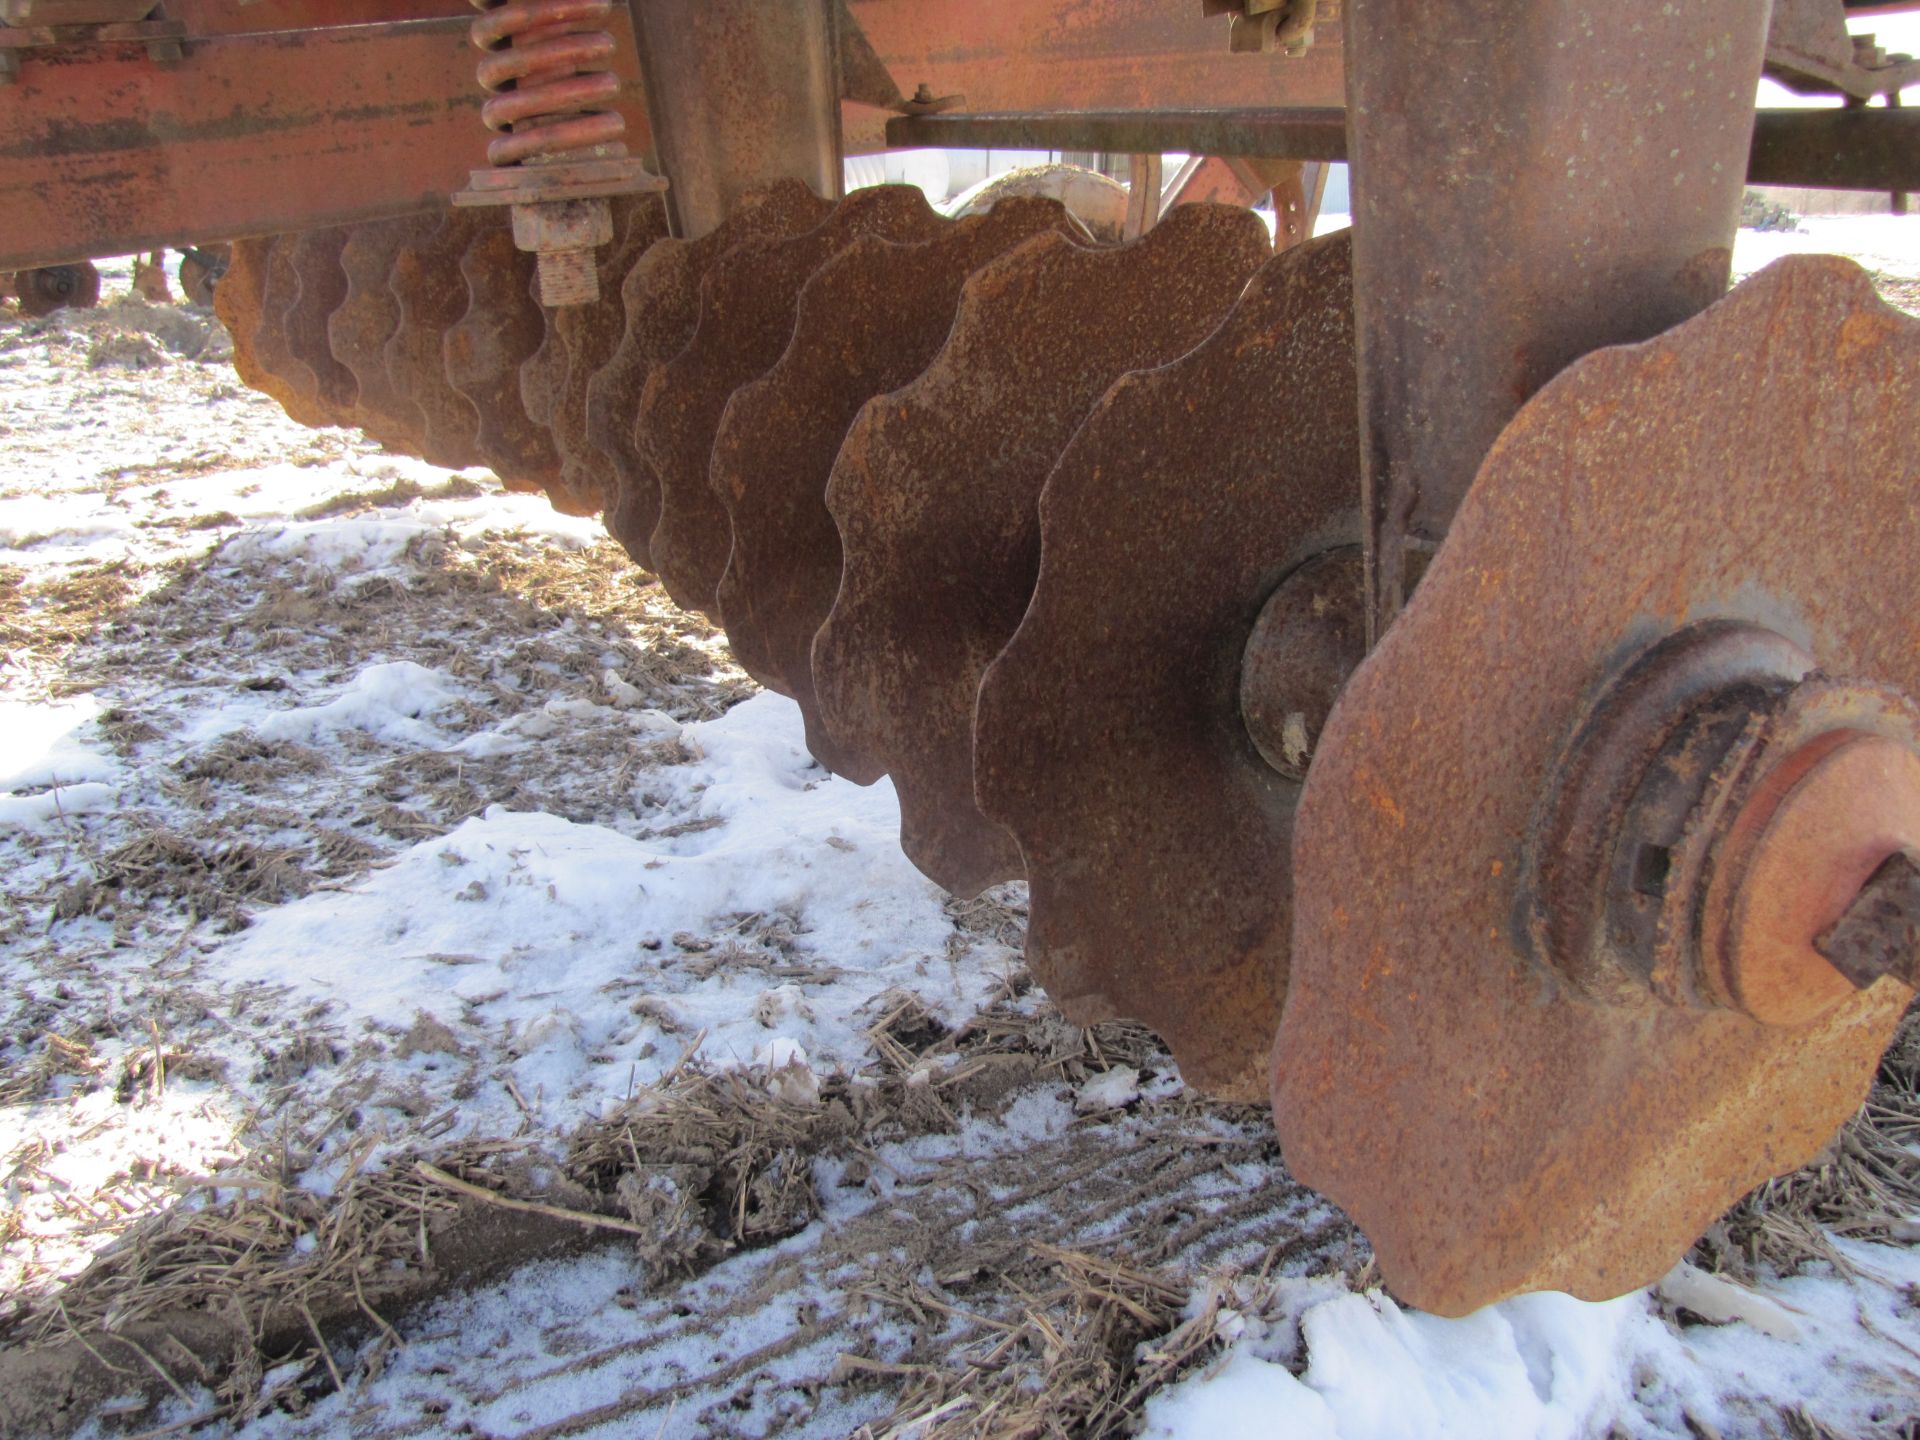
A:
{"x":546,"y":69}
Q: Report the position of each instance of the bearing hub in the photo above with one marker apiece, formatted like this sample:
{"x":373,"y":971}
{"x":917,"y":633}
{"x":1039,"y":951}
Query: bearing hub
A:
{"x":1595,"y":849}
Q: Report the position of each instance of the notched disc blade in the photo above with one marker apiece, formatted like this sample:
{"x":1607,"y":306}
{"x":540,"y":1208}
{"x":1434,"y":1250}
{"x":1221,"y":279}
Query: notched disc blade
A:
{"x":279,"y":290}
{"x":484,"y":350}
{"x":360,"y":328}
{"x":747,"y":305}
{"x":1156,"y":841}
{"x":868,"y":322}
{"x":432,"y":296}
{"x":587,"y":335}
{"x":1489,"y":1130}
{"x":237,"y":302}
{"x":936,"y":495}
{"x":323,"y":384}
{"x":661,"y":300}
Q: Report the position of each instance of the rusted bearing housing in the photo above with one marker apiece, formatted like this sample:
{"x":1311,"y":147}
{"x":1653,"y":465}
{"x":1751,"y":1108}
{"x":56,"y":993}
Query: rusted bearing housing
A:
{"x":57,"y":287}
{"x":1311,"y":633}
{"x":1718,"y":813}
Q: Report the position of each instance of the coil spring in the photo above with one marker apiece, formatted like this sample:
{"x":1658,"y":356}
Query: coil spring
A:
{"x":546,"y":68}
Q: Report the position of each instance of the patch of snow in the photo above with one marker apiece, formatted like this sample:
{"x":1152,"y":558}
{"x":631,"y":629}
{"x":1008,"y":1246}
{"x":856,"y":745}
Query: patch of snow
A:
{"x":595,"y":959}
{"x":48,"y":807}
{"x":42,"y":745}
{"x":1540,"y":1367}
{"x":355,"y":543}
{"x":53,"y":529}
{"x":390,"y":700}
{"x":373,"y":542}
{"x":1113,"y":1089}
{"x":1550,"y":1367}
{"x":1889,"y":244}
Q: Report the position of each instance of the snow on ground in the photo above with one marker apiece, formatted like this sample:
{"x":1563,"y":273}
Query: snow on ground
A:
{"x":351,"y":810}
{"x":1548,"y":1365}
{"x":1889,"y":244}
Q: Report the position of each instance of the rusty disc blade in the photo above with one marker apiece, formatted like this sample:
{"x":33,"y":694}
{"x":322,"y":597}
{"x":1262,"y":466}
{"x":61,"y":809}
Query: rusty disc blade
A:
{"x":747,"y":306}
{"x":580,"y":341}
{"x":1110,"y":742}
{"x":483,"y":351}
{"x":1491,"y":1130}
{"x":237,"y":302}
{"x":661,"y":300}
{"x":432,"y":296}
{"x":868,"y":322}
{"x":323,"y":384}
{"x":358,"y":331}
{"x":271,"y":357}
{"x":936,"y":495}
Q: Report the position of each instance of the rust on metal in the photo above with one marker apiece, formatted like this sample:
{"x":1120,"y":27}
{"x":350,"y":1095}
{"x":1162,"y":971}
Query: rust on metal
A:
{"x":1879,"y":933}
{"x":1720,"y":804}
{"x":1795,"y":824}
{"x":1110,"y":738}
{"x":661,"y":300}
{"x":559,"y":155}
{"x":1653,"y":111}
{"x":42,"y":291}
{"x":359,"y":329}
{"x":747,"y":304}
{"x":581,"y":341}
{"x":504,"y":325}
{"x":312,"y":373}
{"x":104,"y":152}
{"x":868,"y":322}
{"x":936,"y":494}
{"x":1492,"y":1127}
{"x":1616,"y":810}
{"x":262,"y":287}
{"x":201,"y":269}
{"x":1294,"y":187}
{"x":271,"y":355}
{"x":1111,"y":55}
{"x":432,"y":296}
{"x":741,"y":93}
{"x":237,"y":303}
{"x":1267,"y":129}
{"x":1308,"y":638}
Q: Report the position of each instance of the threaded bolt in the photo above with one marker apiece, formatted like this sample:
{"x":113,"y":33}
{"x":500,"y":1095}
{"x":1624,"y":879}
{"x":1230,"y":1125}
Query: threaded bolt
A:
{"x":565,"y":235}
{"x":568,"y":277}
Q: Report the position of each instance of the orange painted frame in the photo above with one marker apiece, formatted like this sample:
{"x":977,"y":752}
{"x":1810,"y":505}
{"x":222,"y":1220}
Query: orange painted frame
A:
{"x":103,"y":150}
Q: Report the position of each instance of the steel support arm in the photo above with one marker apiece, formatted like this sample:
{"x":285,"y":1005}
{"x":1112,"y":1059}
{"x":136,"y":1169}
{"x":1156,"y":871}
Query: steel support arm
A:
{"x":1532,"y":180}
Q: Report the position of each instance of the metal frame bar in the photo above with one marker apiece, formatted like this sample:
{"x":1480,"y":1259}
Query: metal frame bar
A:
{"x":103,"y":152}
{"x":1573,"y":182}
{"x":1851,"y":149}
{"x":740,"y":92}
{"x":268,"y":123}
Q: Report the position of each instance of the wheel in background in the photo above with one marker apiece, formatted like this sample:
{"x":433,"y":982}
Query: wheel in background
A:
{"x":58,"y":287}
{"x":200,"y":271}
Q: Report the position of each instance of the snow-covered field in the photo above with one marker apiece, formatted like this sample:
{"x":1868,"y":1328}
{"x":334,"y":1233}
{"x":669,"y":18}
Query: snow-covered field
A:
{"x":381,"y":852}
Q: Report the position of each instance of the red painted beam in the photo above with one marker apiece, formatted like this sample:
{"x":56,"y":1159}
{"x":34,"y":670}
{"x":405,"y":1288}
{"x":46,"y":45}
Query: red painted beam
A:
{"x":269,"y":123}
{"x":104,"y":151}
